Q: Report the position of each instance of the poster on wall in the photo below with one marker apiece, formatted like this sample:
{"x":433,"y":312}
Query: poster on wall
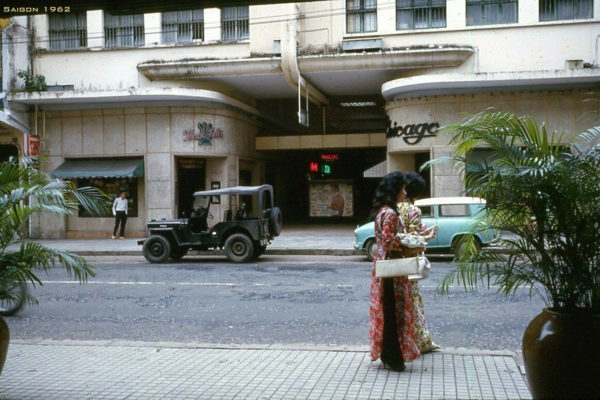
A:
{"x":331,"y":199}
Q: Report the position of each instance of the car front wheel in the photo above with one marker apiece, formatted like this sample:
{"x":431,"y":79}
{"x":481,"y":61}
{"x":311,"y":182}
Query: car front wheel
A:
{"x":157,"y":249}
{"x":370,"y":249}
{"x":239,"y":248}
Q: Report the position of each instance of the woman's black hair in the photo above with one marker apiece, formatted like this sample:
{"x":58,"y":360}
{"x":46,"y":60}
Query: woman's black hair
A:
{"x":415,"y":185}
{"x":387,"y":191}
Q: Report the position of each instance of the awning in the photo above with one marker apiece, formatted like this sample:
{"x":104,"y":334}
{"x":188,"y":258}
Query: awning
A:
{"x":376,"y":171}
{"x":100,"y":168}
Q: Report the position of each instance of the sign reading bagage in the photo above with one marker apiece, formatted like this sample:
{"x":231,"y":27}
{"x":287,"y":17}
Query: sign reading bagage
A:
{"x":412,"y":133}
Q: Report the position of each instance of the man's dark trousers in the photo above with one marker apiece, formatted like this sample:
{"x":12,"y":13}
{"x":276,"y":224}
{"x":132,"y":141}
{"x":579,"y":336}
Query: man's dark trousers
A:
{"x":120,"y":218}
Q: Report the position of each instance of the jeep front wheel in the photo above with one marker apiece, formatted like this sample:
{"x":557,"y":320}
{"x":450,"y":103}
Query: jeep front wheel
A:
{"x":177,"y":253}
{"x":157,"y":249}
{"x":239,"y":248}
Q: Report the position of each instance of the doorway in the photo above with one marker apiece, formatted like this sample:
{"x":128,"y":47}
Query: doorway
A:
{"x":7,"y":151}
{"x":191,"y":176}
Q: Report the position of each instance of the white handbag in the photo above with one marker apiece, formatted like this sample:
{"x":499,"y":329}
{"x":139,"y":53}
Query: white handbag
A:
{"x":416,"y":268}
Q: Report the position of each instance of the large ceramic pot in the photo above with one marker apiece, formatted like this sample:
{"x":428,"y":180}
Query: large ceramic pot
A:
{"x":4,"y":336}
{"x":561,"y":352}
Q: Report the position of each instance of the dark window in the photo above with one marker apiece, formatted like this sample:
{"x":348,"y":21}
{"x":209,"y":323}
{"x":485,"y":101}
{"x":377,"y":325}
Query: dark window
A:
{"x":123,"y":30}
{"x":556,"y":10}
{"x":426,"y":211}
{"x":67,"y":31}
{"x":420,"y":14}
{"x":454,"y":210}
{"x":9,"y":152}
{"x":113,"y":187}
{"x":235,"y":23}
{"x":361,"y":16}
{"x":182,"y":26}
{"x":490,"y":12}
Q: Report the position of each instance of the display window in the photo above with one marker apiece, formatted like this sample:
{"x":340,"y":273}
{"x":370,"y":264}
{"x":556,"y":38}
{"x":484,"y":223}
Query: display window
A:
{"x":113,"y":187}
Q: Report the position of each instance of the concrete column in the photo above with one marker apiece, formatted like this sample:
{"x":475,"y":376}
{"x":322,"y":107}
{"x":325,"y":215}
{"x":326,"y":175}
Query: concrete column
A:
{"x":386,"y":16}
{"x":40,"y":26}
{"x":402,"y":162}
{"x":447,"y":180}
{"x":152,"y":29}
{"x":456,"y":14}
{"x":212,"y":24}
{"x":529,"y":12}
{"x":95,"y":28}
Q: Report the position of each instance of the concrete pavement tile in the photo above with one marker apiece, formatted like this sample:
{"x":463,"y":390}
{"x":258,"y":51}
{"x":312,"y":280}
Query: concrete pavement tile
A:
{"x":75,"y":371}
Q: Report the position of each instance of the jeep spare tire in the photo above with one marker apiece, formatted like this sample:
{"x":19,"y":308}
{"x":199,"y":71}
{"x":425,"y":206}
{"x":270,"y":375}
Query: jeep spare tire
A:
{"x":275,"y":221}
{"x":157,"y":249}
{"x":239,"y":248}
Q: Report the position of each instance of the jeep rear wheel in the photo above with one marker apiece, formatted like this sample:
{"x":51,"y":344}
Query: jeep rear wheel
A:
{"x":239,"y":248}
{"x":157,"y":249}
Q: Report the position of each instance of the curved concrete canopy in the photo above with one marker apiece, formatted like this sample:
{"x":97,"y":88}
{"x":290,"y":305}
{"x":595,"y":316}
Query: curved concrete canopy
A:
{"x":428,"y":85}
{"x":85,"y":98}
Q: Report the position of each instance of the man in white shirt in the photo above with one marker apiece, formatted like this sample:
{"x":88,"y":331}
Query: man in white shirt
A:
{"x":119,"y":210}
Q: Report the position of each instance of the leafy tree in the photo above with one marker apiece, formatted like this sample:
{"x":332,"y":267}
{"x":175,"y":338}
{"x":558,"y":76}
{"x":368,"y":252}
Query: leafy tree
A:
{"x":546,"y":193}
{"x":24,"y":192}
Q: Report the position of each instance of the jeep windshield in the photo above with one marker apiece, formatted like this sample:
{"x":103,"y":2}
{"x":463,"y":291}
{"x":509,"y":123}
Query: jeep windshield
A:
{"x":201,"y":202}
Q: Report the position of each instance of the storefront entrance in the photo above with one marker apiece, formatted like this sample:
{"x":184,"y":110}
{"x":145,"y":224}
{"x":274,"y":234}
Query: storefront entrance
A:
{"x":7,"y":151}
{"x":191,"y":174}
{"x":322,"y":187}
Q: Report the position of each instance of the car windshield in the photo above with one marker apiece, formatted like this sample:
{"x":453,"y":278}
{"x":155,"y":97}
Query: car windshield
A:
{"x":201,"y":202}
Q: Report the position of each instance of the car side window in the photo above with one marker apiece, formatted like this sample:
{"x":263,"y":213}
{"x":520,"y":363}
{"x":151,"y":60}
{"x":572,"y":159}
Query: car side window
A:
{"x":426,"y":211}
{"x":455,"y":210}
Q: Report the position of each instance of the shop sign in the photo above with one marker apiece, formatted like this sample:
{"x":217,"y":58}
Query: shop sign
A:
{"x":33,"y":145}
{"x":206,"y":133}
{"x":413,"y":133}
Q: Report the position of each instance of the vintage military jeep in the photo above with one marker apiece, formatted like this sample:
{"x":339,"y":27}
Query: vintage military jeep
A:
{"x":244,"y":235}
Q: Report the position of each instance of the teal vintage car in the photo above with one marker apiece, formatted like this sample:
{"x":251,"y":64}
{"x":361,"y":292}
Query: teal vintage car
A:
{"x":454,"y":217}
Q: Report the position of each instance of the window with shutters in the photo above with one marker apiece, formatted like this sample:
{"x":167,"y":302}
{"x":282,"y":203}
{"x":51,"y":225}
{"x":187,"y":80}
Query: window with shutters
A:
{"x":235,"y":23}
{"x":67,"y":30}
{"x":420,"y":14}
{"x":491,"y":12}
{"x":123,"y":30}
{"x":557,"y":10}
{"x":361,"y":16}
{"x":182,"y":26}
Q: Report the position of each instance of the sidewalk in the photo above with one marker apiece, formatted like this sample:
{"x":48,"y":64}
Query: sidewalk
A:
{"x":298,"y":240}
{"x":113,"y":370}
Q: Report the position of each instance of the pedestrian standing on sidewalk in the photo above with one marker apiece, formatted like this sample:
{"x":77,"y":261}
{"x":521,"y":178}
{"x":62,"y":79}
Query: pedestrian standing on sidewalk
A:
{"x":119,"y":210}
{"x":391,"y":312}
{"x":411,"y":217}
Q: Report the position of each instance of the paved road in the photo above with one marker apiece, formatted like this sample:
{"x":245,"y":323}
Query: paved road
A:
{"x":280,"y":299}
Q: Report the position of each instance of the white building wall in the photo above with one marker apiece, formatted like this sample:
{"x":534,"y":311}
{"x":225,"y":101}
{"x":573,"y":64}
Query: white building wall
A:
{"x":155,"y":134}
{"x":525,"y":46}
{"x":568,"y":111}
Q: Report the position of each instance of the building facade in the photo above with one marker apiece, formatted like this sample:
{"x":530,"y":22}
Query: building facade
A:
{"x":317,"y":98}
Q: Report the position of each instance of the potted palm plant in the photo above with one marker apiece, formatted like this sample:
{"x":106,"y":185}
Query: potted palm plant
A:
{"x":24,"y":192}
{"x":545,"y":192}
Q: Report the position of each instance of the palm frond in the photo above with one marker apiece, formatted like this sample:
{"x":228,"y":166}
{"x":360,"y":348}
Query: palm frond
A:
{"x":543,"y":192}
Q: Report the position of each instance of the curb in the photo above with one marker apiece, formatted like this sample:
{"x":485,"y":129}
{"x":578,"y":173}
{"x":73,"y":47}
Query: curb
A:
{"x":283,"y":251}
{"x":226,"y":346}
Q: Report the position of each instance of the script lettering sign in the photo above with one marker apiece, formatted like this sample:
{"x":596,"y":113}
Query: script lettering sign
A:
{"x":205,"y":134}
{"x":412,"y":133}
